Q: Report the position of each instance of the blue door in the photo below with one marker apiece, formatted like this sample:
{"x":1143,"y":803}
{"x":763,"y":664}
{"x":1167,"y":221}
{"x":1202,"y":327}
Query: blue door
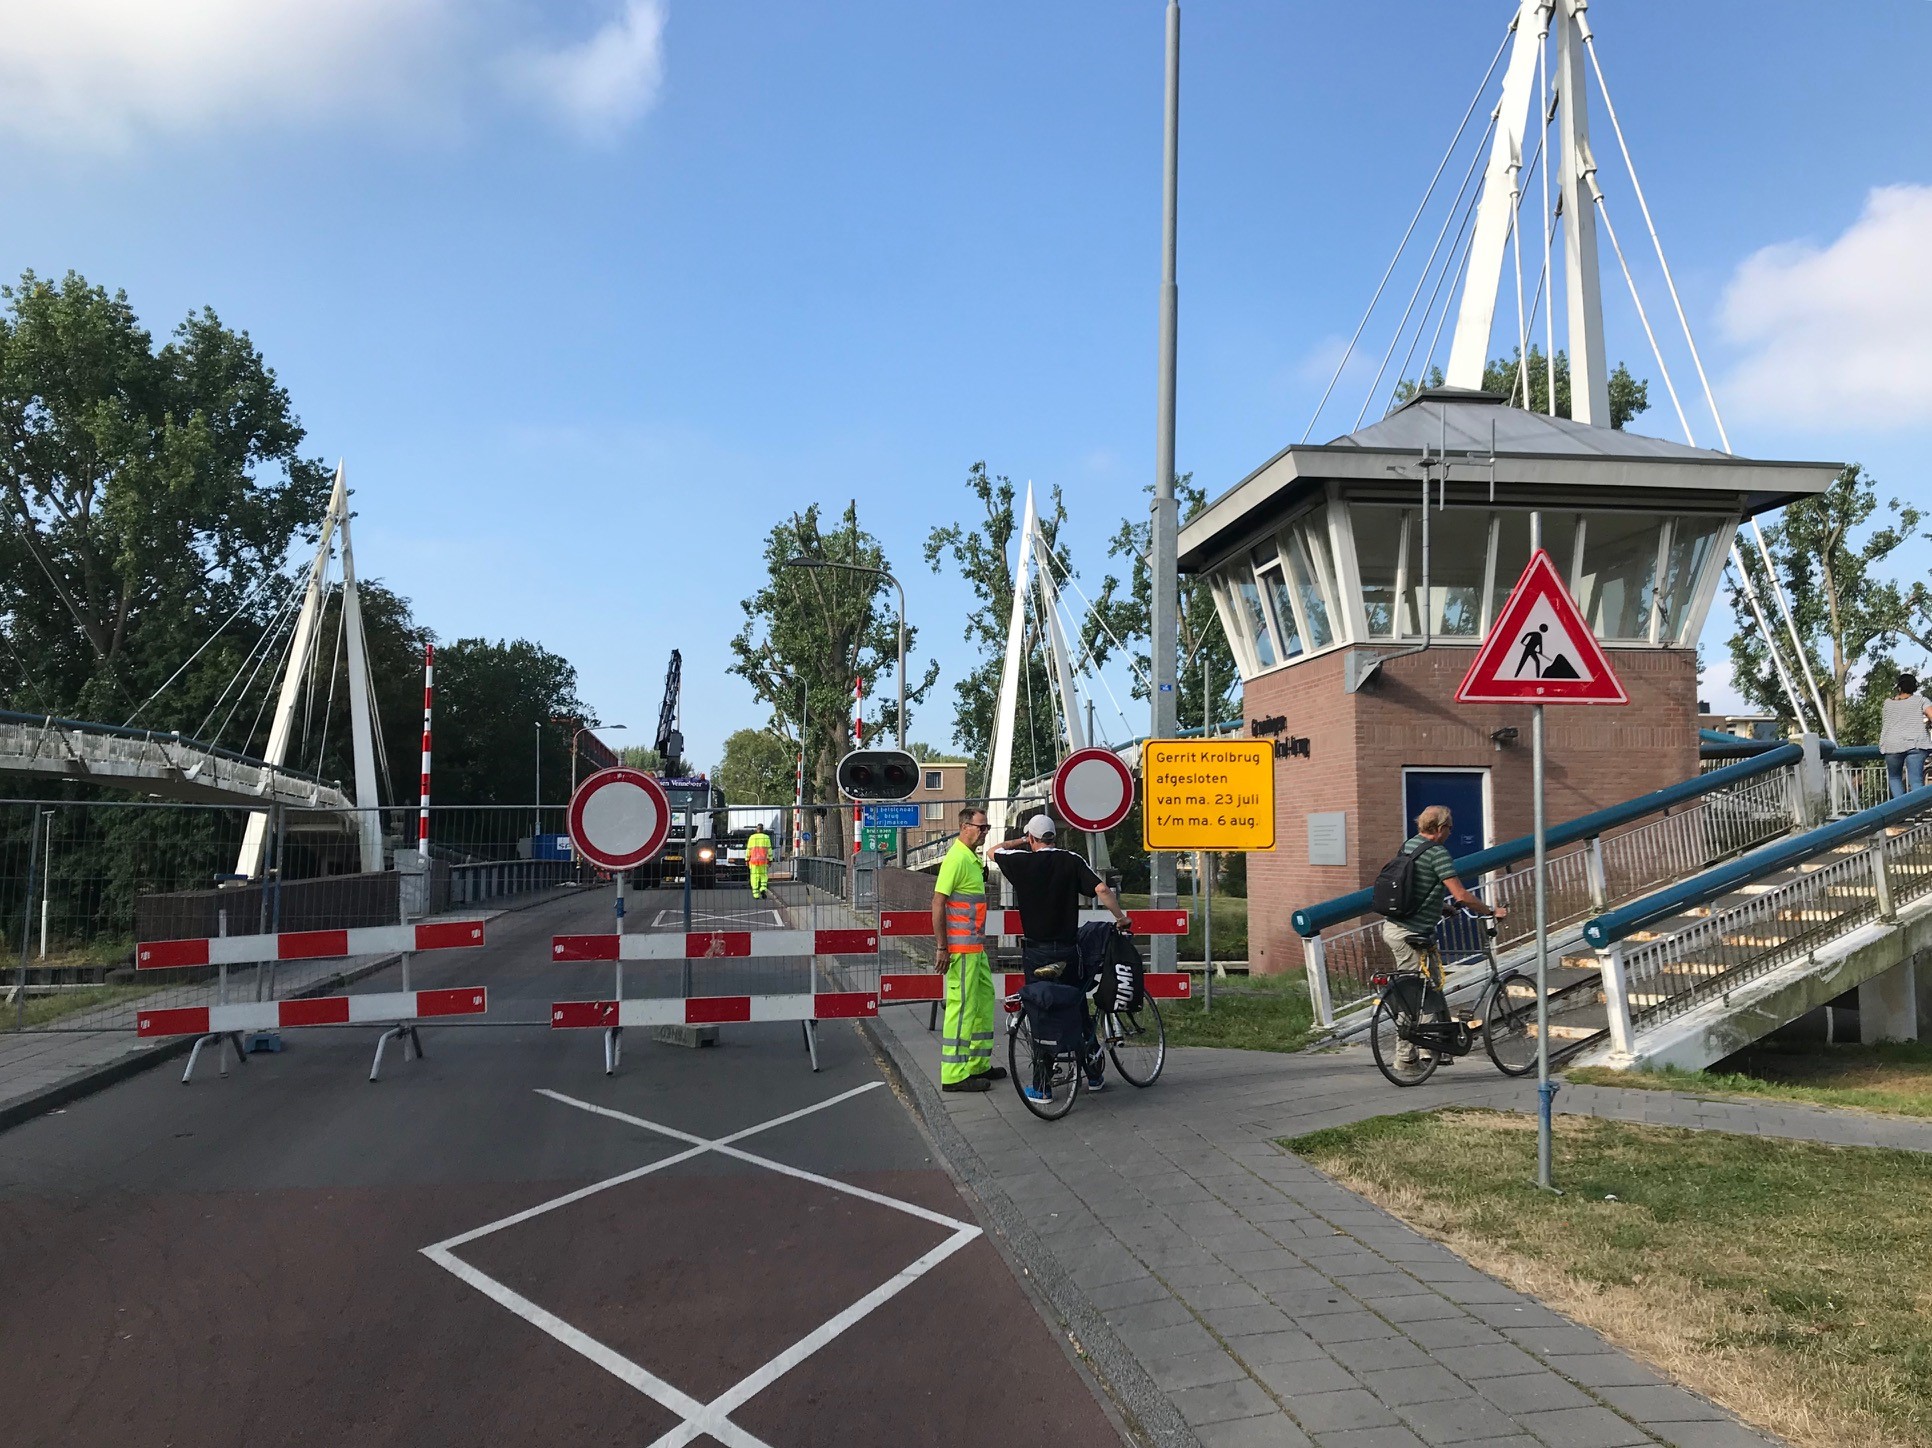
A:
{"x":1461,"y":790}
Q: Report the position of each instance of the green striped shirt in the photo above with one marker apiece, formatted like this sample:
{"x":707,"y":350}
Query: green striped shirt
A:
{"x":1432,"y":868}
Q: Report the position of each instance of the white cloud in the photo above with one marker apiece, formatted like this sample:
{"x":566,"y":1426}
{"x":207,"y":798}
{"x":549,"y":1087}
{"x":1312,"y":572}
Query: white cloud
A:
{"x":107,"y":75}
{"x":600,"y":85}
{"x":1841,"y":333}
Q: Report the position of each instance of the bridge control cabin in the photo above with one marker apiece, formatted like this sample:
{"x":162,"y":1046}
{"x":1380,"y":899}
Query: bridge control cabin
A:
{"x":1316,"y":563}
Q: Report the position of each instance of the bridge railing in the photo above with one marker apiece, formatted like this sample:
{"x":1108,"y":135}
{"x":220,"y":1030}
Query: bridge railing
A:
{"x":1606,"y":855}
{"x":1650,"y":981}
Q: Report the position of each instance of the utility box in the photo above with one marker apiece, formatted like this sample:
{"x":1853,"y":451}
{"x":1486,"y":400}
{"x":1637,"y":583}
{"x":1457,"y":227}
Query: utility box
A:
{"x":866,"y":865}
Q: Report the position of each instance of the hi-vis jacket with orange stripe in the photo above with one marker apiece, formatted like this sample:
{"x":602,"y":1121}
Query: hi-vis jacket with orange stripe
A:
{"x":962,"y":880}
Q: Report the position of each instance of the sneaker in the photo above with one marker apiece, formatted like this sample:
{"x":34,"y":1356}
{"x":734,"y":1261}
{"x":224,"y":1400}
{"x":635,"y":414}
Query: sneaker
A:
{"x":1096,"y":1083}
{"x":991,"y":1073}
{"x":971,"y":1083}
{"x":1039,"y":1094}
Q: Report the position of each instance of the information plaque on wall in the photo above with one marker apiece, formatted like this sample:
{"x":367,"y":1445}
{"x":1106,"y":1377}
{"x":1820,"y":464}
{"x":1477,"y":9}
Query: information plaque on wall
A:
{"x":1328,"y":838}
{"x":1208,"y":794}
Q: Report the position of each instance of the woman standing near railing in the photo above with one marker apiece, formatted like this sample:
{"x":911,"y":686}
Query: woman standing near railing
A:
{"x":1905,"y":733}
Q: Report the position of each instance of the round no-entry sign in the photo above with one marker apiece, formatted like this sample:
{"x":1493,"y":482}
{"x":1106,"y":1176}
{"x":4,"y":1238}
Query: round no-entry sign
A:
{"x":1093,"y":790}
{"x":619,"y":818}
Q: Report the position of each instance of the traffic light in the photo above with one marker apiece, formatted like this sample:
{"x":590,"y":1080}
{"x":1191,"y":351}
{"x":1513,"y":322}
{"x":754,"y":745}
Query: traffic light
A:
{"x":878,"y":774}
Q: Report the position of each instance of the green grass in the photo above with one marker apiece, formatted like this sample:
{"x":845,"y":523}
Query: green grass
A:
{"x":1788,"y":1280}
{"x":1230,"y":926}
{"x":43,"y":1010}
{"x":1250,"y":1013}
{"x":1895,"y":1078}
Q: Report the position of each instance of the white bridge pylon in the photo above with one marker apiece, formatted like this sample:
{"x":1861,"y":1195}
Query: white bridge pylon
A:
{"x":1035,"y":592}
{"x":361,"y":719}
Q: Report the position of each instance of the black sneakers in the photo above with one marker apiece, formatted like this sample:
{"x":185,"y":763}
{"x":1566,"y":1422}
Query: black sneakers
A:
{"x":971,"y":1083}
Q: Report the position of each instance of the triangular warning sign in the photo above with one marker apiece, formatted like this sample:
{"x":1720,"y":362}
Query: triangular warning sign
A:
{"x":1541,"y":651}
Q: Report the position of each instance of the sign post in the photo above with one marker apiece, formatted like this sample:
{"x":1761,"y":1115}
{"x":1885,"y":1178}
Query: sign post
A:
{"x":1540,"y":651}
{"x":619,"y":818}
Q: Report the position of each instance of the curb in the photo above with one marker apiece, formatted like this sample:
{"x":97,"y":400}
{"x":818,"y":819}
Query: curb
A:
{"x":1147,"y":1408}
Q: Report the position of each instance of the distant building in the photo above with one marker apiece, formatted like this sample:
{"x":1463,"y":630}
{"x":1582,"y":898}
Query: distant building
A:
{"x":940,"y":797}
{"x":1761,"y":727}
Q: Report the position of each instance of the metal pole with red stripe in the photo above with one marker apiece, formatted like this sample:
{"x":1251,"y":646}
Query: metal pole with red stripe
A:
{"x":429,"y":694}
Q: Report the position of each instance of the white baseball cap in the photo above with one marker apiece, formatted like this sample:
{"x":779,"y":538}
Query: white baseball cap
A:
{"x":1041,"y":827}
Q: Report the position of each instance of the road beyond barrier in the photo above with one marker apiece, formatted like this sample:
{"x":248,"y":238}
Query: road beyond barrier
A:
{"x":224,"y":1022}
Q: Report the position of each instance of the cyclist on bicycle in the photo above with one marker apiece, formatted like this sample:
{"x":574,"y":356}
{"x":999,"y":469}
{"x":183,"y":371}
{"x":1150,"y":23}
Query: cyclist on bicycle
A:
{"x":1411,"y":936}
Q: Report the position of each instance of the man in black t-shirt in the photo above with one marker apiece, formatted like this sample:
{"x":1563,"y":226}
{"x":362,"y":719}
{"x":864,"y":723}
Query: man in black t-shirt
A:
{"x":1048,"y":883}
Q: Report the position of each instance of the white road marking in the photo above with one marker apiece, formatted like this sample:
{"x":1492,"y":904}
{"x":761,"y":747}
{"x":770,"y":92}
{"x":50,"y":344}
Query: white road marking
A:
{"x":713,"y":1417}
{"x":671,"y":919}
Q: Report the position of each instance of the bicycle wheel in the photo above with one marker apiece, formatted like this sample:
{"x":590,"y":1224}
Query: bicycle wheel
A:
{"x":1407,"y":1001}
{"x":1509,"y":1031}
{"x":1137,"y":1041}
{"x":1058,"y":1077}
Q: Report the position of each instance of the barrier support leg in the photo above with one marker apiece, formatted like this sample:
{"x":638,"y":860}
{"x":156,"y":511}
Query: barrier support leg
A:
{"x":222,"y":1041}
{"x":613,"y":1049}
{"x":811,"y":1040}
{"x":405,"y":1033}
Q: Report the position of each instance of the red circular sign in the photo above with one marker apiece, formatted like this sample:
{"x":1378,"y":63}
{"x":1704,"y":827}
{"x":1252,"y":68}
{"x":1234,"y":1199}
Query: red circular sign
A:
{"x":619,"y":818}
{"x":1093,"y":790}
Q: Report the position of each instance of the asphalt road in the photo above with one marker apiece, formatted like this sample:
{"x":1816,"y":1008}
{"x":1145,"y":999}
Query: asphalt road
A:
{"x":499,"y":1244}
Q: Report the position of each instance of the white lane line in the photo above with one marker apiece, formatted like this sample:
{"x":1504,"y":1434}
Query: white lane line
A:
{"x":723,"y":1148}
{"x":713,"y":1419}
{"x":701,"y":1418}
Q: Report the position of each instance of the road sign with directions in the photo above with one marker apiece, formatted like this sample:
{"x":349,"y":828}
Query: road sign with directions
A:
{"x":891,"y":817}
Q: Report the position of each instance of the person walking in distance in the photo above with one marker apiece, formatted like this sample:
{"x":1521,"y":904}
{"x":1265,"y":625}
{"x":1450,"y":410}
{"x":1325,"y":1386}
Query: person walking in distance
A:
{"x":959,"y":933}
{"x":758,"y":861}
{"x":1903,"y":736}
{"x":1048,"y":883}
{"x":1435,"y":884}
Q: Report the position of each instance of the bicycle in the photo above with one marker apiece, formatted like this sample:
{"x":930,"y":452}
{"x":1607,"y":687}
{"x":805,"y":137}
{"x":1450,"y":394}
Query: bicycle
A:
{"x":1413,"y":1030}
{"x":1135,"y":1041}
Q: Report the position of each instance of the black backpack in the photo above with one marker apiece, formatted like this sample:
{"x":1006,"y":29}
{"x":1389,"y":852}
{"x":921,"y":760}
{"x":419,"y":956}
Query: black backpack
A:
{"x":1121,"y":985}
{"x":1393,"y":893}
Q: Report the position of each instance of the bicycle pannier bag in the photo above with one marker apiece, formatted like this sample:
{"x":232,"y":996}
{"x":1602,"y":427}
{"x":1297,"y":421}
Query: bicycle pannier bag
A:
{"x":1393,"y":893}
{"x":1055,"y":1013}
{"x":1121,"y":985}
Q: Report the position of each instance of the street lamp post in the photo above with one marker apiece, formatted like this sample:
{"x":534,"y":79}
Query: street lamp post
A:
{"x":536,"y":827}
{"x":880,"y":573}
{"x":581,"y":730}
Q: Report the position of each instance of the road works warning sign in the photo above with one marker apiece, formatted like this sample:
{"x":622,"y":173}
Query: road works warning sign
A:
{"x":1208,"y":794}
{"x":1541,"y":649}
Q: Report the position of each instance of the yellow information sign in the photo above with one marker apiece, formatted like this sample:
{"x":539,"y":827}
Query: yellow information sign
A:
{"x":1208,"y":794}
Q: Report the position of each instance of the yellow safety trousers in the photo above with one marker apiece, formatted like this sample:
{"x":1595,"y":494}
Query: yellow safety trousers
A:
{"x":966,"y":1030}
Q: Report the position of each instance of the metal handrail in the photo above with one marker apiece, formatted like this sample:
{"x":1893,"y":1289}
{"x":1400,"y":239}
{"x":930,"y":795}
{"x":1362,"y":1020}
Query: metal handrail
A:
{"x":1615,"y":925}
{"x":1311,"y":921}
{"x":167,"y":736}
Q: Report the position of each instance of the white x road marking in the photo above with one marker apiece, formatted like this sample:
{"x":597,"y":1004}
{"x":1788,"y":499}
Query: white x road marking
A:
{"x":712,"y":1417}
{"x":672,"y":918}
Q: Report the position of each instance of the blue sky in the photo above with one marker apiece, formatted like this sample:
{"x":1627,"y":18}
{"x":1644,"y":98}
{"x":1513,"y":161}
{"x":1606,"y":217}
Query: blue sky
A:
{"x":590,"y":294}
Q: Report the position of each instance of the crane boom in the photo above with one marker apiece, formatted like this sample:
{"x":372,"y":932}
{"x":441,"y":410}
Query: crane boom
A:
{"x":670,"y":740}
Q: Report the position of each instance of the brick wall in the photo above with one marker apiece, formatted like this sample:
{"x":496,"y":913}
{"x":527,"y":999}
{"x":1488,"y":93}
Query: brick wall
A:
{"x":1360,"y":743}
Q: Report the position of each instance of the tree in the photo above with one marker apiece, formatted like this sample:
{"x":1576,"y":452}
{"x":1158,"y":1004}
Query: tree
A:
{"x":810,"y":632}
{"x":144,"y":495}
{"x":497,"y":707}
{"x":927,"y":754}
{"x":1628,"y":394}
{"x":979,"y":552}
{"x":758,"y":768}
{"x":1829,"y":562}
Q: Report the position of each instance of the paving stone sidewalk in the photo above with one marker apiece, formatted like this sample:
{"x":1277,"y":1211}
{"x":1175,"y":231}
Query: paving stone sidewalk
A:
{"x":1270,"y":1305}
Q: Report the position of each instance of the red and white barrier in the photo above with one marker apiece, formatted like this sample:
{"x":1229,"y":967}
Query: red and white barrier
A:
{"x":377,"y":1008}
{"x":716,"y":945}
{"x":400,"y":1010}
{"x":1007,"y":922}
{"x":307,"y":944}
{"x":919,"y":987}
{"x":714,"y":1010}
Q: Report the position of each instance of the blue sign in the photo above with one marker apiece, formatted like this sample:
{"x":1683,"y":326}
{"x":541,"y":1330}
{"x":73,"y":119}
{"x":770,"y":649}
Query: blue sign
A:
{"x":891,"y":817}
{"x":550,"y":847}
